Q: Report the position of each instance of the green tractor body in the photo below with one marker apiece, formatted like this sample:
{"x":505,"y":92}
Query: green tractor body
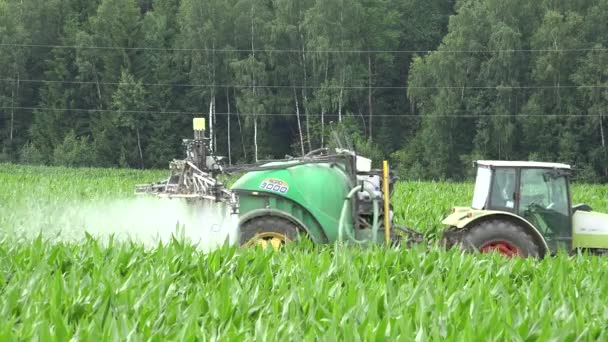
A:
{"x":526,"y":208}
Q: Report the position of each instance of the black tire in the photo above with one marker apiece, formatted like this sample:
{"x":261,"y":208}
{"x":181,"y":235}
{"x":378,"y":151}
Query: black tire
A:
{"x":486,"y":234}
{"x":268,"y":224}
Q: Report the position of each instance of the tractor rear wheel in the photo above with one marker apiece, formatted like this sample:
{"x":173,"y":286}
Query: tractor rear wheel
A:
{"x":268,"y":231}
{"x":502,"y":236}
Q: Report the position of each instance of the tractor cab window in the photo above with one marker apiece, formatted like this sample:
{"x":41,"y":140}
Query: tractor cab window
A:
{"x":544,"y":202}
{"x":503,"y":190}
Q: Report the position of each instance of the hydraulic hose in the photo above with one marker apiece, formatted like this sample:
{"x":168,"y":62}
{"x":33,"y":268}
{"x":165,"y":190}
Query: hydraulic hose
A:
{"x":341,"y":230}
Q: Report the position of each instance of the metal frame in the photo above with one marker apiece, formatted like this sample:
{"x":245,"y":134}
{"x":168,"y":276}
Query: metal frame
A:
{"x":192,"y":183}
{"x":487,"y":205}
{"x":191,"y":178}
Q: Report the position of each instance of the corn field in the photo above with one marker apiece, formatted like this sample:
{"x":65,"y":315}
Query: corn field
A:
{"x":52,"y":289}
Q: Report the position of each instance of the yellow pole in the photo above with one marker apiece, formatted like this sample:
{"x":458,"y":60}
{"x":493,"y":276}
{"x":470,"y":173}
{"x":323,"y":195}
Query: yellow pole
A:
{"x":385,"y":190}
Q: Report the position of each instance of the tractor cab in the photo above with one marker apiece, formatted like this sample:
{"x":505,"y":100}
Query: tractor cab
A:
{"x":524,"y":208}
{"x":537,"y":192}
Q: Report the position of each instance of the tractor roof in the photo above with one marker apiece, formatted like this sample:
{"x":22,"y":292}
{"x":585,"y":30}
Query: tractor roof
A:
{"x":530,"y":164}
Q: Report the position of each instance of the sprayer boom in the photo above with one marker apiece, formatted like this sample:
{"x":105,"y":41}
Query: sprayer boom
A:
{"x":194,"y":177}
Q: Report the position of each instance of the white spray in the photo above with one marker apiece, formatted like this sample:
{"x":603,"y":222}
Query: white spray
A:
{"x":144,"y":219}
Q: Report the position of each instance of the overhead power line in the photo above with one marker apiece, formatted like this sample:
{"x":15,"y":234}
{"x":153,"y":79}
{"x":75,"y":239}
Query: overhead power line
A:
{"x":478,"y":115}
{"x":186,"y":85}
{"x":354,"y":51}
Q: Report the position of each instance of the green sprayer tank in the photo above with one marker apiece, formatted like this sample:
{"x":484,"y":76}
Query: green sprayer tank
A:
{"x":310,"y":195}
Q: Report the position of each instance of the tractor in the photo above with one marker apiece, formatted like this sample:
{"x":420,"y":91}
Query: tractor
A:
{"x":524,"y":208}
{"x":518,"y":208}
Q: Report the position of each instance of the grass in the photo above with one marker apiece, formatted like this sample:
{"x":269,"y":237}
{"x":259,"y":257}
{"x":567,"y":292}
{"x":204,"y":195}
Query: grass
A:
{"x":121,"y":290}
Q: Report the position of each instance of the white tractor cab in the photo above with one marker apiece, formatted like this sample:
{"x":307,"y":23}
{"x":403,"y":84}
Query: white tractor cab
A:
{"x":523,"y":208}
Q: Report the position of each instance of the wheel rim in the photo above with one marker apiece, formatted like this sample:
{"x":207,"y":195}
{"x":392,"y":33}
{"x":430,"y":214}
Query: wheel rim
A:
{"x":502,"y":247}
{"x":268,"y":239}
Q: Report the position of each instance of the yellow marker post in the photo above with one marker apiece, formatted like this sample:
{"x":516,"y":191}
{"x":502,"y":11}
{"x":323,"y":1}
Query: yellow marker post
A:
{"x":387,"y":221}
{"x":198,"y":124}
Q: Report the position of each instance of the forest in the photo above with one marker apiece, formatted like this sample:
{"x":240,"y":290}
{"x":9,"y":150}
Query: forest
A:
{"x":430,"y":85}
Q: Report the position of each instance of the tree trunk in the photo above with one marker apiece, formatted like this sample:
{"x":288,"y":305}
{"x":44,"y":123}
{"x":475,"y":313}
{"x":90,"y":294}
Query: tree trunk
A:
{"x":13,"y":109}
{"x":340,"y":105}
{"x":341,"y":98}
{"x":97,"y":82}
{"x":602,"y":129}
{"x":362,"y":120}
{"x":141,"y":154}
{"x":211,"y":146}
{"x":307,"y":116}
{"x":215,"y":125}
{"x":238,"y":117}
{"x":305,"y":95}
{"x":323,"y":109}
{"x":322,"y":125}
{"x":603,"y":138}
{"x":255,"y":129}
{"x":295,"y":96}
{"x":228,"y":123}
{"x":369,"y":96}
{"x":255,"y":137}
{"x":255,"y":119}
{"x":342,"y":66}
{"x":12,"y":120}
{"x":214,"y":137}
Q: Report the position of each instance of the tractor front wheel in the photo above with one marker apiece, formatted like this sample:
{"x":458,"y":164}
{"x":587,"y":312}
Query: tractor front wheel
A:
{"x":268,"y":231}
{"x":502,"y":236}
